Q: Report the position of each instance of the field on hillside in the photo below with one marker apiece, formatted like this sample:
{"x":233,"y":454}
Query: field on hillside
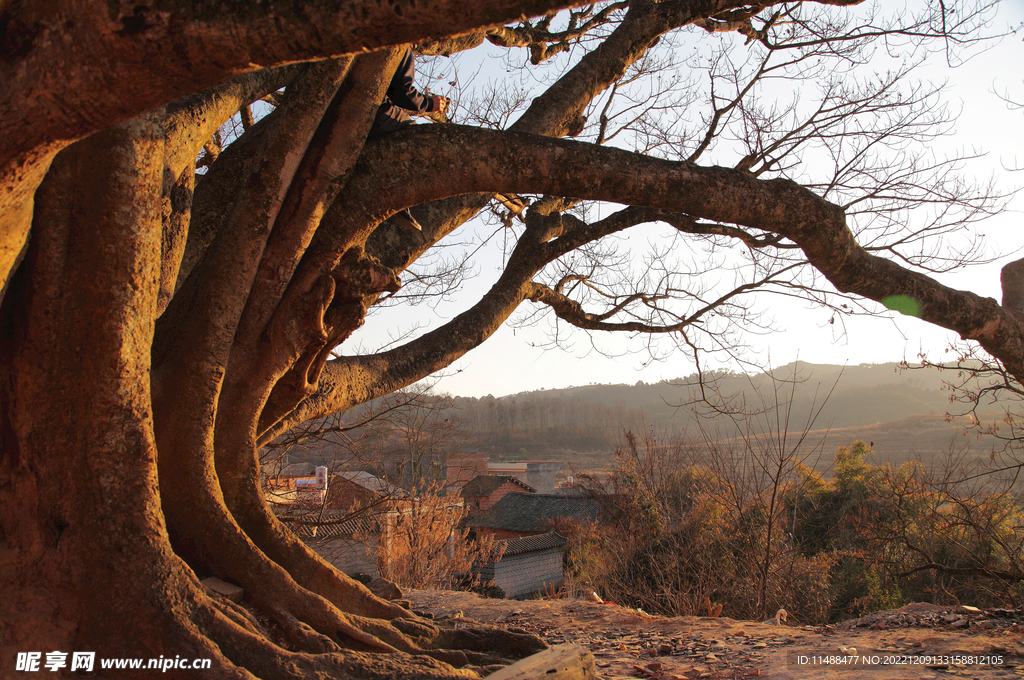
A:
{"x":930,"y":439}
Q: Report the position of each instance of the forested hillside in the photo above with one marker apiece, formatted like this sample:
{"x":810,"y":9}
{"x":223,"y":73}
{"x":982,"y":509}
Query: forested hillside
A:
{"x":904,"y":409}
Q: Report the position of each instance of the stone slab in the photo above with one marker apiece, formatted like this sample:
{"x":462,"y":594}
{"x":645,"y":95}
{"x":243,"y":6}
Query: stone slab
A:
{"x":228,"y":590}
{"x":561,"y":662}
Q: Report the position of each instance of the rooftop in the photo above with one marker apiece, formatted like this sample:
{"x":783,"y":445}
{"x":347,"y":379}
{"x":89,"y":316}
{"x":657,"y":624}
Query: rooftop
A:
{"x":372,"y":482}
{"x":311,"y":529}
{"x":527,"y":544}
{"x":484,"y":485}
{"x":534,"y":512}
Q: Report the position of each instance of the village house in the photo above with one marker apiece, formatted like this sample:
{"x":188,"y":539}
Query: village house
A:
{"x":524,"y":524}
{"x":539,"y":474}
{"x":296,"y":484}
{"x":528,"y":565}
{"x":350,"y":545}
{"x":520,"y":514}
{"x":352,"y":490}
{"x":345,"y":518}
{"x":483,"y":491}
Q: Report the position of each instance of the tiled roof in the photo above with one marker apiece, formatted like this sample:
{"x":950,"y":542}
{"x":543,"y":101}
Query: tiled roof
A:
{"x":534,"y":512}
{"x":518,"y":546}
{"x":484,"y":485}
{"x":371,"y":482}
{"x":362,"y":525}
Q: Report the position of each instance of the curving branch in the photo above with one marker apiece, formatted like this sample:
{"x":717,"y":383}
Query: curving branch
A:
{"x":542,"y":42}
{"x":556,"y":112}
{"x":676,"y":191}
{"x":529,"y":164}
{"x":191,"y":121}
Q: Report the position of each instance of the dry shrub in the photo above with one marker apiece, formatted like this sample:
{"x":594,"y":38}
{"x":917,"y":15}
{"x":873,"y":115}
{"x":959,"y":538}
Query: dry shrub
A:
{"x":420,"y":544}
{"x":686,"y":537}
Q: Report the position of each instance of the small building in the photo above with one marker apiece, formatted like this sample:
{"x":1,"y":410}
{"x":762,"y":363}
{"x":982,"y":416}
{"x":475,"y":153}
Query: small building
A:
{"x":528,"y":565}
{"x":297,"y":483}
{"x":349,"y":545}
{"x":520,"y":514}
{"x":483,"y":491}
{"x":350,"y":522}
{"x":354,"y":489}
{"x":517,"y":470}
{"x":539,"y":474}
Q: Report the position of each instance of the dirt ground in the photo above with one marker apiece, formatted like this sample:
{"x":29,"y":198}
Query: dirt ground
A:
{"x":916,"y":641}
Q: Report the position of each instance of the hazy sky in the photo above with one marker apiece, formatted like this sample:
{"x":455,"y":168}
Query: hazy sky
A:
{"x":508,"y":363}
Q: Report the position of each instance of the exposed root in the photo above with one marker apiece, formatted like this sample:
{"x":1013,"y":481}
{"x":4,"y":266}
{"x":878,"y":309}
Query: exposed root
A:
{"x":267,"y":661}
{"x":442,"y":652}
{"x":409,"y":638}
{"x":453,"y":657}
{"x":417,"y":629}
{"x":460,"y":658}
{"x":240,"y":615}
{"x":302,"y":636}
{"x":488,"y":640}
{"x":313,"y":624}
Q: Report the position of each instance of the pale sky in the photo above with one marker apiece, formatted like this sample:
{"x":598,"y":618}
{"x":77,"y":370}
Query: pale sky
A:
{"x":507,"y":363}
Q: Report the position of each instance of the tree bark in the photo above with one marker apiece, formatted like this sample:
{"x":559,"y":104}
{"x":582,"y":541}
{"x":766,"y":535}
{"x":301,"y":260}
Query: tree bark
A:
{"x":530,"y":164}
{"x":81,"y":353}
{"x":71,"y":68}
{"x":163,"y":325}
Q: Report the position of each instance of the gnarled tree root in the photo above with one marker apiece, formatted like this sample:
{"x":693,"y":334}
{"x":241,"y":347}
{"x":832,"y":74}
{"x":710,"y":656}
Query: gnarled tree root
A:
{"x":246,"y":651}
{"x":485,"y":648}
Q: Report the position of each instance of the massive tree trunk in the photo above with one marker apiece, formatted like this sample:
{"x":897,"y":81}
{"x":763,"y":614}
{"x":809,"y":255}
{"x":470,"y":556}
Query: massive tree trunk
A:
{"x":77,"y":348}
{"x":160,"y":325}
{"x":112,"y":507}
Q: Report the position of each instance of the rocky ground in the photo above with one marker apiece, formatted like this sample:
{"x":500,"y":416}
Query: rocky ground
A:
{"x":916,"y":641}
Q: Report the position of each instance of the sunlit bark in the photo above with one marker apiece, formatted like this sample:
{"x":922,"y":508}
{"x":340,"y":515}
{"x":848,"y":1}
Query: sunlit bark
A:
{"x":168,"y":317}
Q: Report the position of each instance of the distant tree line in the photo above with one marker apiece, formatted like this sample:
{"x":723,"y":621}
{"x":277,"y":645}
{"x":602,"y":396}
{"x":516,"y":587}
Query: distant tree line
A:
{"x":541,"y":424}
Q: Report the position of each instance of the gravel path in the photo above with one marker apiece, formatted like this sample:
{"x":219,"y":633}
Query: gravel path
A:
{"x":917,"y":641}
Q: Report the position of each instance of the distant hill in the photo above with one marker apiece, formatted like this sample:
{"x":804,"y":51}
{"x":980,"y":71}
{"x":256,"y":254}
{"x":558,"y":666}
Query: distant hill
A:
{"x":901,"y":411}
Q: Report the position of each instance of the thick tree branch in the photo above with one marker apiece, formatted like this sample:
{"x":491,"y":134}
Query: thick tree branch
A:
{"x":323,"y":171}
{"x":201,"y":320}
{"x":119,"y":62}
{"x":510,"y":161}
{"x":348,"y":381}
{"x":70,"y":69}
{"x":193,"y":119}
{"x":554,"y":113}
{"x":177,"y":213}
{"x":557,"y":111}
{"x":1011,"y":278}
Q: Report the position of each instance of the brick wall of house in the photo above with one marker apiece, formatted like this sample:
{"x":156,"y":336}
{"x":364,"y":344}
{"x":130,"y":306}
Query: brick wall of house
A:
{"x":461,"y":469}
{"x":348,"y":555}
{"x":527,"y":573}
{"x":487,"y":501}
{"x":345,"y":495}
